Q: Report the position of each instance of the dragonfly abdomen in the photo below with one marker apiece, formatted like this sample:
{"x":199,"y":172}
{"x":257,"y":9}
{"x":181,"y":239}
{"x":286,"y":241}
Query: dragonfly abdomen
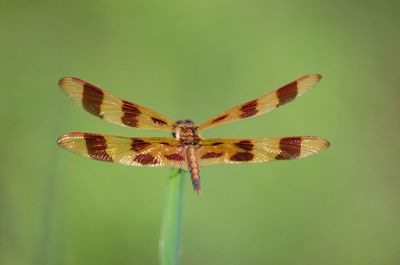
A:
{"x":193,"y":168}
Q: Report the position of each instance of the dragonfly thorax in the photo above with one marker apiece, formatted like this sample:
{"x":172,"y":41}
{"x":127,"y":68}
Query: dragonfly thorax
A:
{"x":186,"y":134}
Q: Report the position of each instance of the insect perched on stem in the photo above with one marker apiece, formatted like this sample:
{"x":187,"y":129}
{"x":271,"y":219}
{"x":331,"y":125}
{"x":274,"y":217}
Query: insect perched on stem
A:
{"x":187,"y":150}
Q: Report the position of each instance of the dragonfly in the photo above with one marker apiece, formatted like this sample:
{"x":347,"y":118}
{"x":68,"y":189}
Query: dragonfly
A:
{"x":186,"y":150}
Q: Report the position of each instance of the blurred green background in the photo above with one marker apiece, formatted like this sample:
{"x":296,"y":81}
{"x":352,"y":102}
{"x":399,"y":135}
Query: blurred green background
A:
{"x":194,"y":59}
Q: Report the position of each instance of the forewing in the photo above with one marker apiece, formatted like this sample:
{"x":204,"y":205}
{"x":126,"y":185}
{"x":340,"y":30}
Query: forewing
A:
{"x":153,"y":152}
{"x":235,"y":151}
{"x":265,"y":103}
{"x":111,"y":108}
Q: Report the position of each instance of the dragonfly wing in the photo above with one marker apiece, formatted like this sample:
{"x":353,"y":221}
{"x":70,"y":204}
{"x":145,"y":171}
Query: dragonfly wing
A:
{"x":111,"y":108}
{"x":237,"y":151}
{"x":153,"y":152}
{"x":266,"y":103}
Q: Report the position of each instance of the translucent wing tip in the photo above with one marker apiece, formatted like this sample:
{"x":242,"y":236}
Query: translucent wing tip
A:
{"x":327,"y":144}
{"x":317,"y":76}
{"x":315,"y":144}
{"x":308,"y":81}
{"x":322,"y":143}
{"x":63,"y":139}
{"x":60,"y":140}
{"x":63,"y":81}
{"x":67,"y":81}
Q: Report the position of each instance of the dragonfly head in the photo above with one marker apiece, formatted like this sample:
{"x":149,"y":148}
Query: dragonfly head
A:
{"x":185,"y":122}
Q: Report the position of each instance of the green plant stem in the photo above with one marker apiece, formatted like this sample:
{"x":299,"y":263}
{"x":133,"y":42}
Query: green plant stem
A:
{"x":171,"y":228}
